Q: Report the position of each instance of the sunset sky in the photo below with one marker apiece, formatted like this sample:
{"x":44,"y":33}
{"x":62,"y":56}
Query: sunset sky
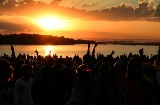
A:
{"x":82,"y":18}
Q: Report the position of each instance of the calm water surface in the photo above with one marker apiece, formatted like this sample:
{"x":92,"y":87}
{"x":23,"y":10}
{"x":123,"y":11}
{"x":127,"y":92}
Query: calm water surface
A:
{"x":79,"y":49}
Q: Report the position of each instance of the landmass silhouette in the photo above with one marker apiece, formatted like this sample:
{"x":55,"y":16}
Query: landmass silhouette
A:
{"x":36,"y":39}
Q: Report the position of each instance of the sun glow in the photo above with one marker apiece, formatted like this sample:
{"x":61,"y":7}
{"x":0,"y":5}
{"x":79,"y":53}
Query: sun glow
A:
{"x":50,"y":23}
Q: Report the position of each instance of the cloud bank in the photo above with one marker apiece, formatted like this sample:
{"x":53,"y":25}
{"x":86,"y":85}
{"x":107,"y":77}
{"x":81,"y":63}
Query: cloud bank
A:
{"x":144,"y":10}
{"x":20,"y":10}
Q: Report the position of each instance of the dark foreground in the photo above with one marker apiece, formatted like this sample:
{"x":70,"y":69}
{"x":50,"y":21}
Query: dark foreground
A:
{"x":94,"y":79}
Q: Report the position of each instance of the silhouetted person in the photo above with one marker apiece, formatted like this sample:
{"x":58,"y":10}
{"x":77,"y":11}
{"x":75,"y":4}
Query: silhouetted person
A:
{"x":158,"y":57}
{"x":138,"y":90}
{"x":23,"y":87}
{"x":142,"y":56}
{"x":6,"y":84}
{"x":13,"y":53}
{"x":141,"y":51}
{"x":82,"y":93}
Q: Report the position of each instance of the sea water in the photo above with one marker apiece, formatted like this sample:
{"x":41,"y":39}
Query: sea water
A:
{"x":79,"y":49}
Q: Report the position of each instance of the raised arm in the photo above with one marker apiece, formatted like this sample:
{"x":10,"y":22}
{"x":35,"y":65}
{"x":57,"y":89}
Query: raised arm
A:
{"x":88,"y":50}
{"x":13,"y":53}
{"x":93,"y":52}
{"x":36,"y":52}
{"x":158,"y":57}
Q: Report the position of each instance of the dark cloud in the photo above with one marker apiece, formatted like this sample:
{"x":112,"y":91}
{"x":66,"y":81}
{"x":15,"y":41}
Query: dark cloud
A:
{"x":122,"y":11}
{"x":157,"y":12}
{"x":57,"y":1}
{"x":1,"y":1}
{"x":12,"y":27}
{"x":144,"y":9}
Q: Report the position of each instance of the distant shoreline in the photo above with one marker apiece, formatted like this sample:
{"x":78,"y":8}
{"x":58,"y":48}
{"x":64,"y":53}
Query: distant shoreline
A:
{"x":36,"y":39}
{"x":135,"y":44}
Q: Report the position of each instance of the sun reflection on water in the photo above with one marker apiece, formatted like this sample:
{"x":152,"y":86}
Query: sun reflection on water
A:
{"x":49,"y":50}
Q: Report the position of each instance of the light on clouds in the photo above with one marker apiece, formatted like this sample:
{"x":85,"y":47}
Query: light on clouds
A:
{"x":128,"y":17}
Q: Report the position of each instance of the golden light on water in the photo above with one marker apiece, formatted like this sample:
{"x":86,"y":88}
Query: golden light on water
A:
{"x":49,"y":50}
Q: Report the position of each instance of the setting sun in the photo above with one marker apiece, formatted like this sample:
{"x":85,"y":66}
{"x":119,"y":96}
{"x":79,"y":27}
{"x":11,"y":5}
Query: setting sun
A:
{"x":50,"y":23}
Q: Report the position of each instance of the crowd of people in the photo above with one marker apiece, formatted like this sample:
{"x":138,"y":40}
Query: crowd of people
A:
{"x":95,"y":79}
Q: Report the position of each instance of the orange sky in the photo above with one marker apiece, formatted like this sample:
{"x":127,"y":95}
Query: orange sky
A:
{"x":118,"y":21}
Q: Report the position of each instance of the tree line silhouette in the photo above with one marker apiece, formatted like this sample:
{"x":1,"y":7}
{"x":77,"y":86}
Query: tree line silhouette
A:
{"x":36,"y":39}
